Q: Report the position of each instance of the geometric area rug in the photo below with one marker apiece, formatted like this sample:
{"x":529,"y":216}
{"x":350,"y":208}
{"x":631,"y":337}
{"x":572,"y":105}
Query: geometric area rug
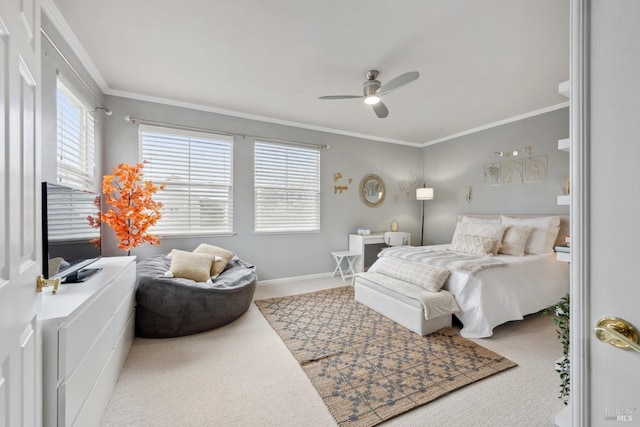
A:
{"x":367,"y":368}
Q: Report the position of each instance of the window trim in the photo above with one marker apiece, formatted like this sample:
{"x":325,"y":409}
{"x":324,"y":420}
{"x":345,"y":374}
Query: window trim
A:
{"x":318,"y":191}
{"x":216,"y":137}
{"x":86,"y":173}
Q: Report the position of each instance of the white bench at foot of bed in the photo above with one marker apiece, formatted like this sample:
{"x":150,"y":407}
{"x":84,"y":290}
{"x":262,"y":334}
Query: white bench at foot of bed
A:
{"x":403,"y":310}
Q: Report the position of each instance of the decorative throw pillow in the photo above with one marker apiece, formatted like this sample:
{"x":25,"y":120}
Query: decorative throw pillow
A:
{"x":473,"y":244}
{"x":514,"y":240}
{"x":544,"y":230}
{"x":426,"y":276}
{"x":490,"y":230}
{"x":461,"y":228}
{"x":217,"y":266}
{"x":189,"y":265}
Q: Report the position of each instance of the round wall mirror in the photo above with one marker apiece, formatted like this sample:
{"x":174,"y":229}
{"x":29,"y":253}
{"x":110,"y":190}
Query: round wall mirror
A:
{"x":372,"y":190}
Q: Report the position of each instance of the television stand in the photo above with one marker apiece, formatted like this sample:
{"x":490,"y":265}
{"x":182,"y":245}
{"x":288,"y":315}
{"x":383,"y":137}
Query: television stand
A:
{"x":80,"y":275}
{"x":87,"y":331}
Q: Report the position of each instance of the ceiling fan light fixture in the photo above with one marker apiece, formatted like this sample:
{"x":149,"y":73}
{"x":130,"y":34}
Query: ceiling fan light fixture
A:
{"x":373,"y":90}
{"x":371,"y":99}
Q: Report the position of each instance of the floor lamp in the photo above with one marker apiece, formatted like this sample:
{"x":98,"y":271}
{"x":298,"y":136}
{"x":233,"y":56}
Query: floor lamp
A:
{"x":423,"y":194}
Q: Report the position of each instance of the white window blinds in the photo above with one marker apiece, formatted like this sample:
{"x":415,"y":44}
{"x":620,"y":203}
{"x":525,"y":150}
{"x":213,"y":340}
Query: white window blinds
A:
{"x":287,"y":188}
{"x":197,"y":171}
{"x":75,"y":135}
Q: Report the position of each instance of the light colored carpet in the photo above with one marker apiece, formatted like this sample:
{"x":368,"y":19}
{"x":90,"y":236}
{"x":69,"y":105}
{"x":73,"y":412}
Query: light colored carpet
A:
{"x":243,"y":375}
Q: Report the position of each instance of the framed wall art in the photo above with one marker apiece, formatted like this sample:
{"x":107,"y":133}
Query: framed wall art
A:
{"x":535,"y":168}
{"x":493,"y":173}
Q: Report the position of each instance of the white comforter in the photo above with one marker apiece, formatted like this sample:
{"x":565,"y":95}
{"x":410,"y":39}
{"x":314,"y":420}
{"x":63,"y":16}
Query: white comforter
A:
{"x":494,"y":296}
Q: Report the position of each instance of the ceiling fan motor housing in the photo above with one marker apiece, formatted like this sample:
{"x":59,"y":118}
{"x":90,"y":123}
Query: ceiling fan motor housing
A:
{"x":370,"y":87}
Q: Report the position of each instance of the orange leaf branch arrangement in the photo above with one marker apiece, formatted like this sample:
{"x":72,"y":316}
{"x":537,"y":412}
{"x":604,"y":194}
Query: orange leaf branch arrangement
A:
{"x":133,"y":210}
{"x":95,"y":221}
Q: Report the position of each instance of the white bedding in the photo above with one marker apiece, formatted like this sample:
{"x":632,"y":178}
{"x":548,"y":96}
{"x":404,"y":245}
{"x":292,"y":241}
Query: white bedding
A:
{"x":494,"y":296}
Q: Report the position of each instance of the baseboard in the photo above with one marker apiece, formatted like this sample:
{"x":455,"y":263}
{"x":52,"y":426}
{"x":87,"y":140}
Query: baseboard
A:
{"x":284,"y":280}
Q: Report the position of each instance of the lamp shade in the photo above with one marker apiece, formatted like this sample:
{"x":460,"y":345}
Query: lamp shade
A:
{"x":424,"y":193}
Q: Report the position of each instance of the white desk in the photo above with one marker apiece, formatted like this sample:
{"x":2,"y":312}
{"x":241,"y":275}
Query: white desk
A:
{"x":358,"y":243}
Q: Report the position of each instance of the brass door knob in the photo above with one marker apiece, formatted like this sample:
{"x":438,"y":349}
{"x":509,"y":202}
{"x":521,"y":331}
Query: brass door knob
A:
{"x":41,"y":283}
{"x":617,"y":332}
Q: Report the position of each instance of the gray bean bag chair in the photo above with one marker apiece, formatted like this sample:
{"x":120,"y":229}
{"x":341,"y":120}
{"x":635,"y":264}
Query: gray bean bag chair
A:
{"x":171,"y":307}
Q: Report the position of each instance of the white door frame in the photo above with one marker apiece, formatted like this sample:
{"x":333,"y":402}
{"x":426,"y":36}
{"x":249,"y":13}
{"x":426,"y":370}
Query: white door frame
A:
{"x":604,"y":87}
{"x":580,"y":283}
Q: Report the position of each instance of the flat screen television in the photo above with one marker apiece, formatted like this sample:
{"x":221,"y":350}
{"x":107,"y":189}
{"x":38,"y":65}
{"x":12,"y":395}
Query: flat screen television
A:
{"x":70,"y":241}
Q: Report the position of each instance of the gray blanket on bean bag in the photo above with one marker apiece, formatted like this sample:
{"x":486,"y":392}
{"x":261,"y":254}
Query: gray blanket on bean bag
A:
{"x":172,"y":307}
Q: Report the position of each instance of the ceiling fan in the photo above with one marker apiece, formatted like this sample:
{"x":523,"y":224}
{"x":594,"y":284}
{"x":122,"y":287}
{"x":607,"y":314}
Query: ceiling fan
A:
{"x":374,"y":90}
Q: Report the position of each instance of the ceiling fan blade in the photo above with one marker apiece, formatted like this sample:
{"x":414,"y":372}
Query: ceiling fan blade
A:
{"x":398,"y":82}
{"x":340,"y":97}
{"x":380,"y":110}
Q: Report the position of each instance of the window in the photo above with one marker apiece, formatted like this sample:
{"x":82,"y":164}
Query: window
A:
{"x":75,"y":135}
{"x":196,"y":169}
{"x":287,"y":188}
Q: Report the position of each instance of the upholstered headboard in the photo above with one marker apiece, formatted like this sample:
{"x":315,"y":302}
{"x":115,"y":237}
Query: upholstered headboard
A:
{"x":565,"y":228}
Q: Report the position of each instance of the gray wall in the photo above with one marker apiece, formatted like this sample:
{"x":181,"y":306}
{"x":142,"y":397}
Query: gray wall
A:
{"x":451,"y":167}
{"x":276,"y":256}
{"x":282,"y":255}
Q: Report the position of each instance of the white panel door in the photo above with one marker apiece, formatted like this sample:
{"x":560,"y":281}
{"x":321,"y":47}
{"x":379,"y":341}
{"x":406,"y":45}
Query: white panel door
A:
{"x":20,"y":248}
{"x":606,"y":209}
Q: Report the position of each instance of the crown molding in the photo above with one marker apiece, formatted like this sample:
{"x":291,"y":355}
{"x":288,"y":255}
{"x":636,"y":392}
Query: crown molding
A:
{"x":52,"y":12}
{"x":498,"y":123}
{"x":50,"y":9}
{"x":165,"y":101}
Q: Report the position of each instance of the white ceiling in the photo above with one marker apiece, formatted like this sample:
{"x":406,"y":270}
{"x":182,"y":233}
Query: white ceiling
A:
{"x":480,"y":61}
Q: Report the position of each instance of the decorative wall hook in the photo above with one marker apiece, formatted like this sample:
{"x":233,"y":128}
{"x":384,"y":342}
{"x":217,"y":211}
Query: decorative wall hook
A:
{"x":526,"y":150}
{"x":469,"y":194}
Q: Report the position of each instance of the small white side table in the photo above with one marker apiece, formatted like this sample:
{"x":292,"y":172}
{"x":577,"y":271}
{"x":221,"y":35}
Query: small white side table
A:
{"x":350,"y":256}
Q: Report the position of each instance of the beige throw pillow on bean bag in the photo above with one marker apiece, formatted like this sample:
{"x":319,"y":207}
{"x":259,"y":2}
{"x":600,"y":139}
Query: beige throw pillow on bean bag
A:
{"x":217,"y":266}
{"x":189,"y":265}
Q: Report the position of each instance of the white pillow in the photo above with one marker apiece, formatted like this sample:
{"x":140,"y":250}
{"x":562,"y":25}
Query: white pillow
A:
{"x":544,"y":230}
{"x":222,"y":257}
{"x":188,"y":265}
{"x":426,"y":276}
{"x":471,"y":244}
{"x":468,"y":219}
{"x":493,"y":231}
{"x":515,"y":239}
{"x":461,"y":228}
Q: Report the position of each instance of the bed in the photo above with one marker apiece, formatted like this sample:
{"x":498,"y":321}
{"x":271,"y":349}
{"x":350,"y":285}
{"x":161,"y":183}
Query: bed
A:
{"x":487,"y":298}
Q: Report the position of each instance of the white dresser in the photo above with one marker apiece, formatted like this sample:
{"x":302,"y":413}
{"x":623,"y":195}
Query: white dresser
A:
{"x":87,"y":331}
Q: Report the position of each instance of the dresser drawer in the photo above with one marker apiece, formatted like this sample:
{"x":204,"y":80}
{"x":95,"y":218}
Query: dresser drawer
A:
{"x":96,"y":402}
{"x":126,"y":309}
{"x":79,"y":334}
{"x":74,"y":390}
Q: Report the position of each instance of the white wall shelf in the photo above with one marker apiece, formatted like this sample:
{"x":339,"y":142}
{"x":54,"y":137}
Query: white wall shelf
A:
{"x":564,"y":88}
{"x":563,"y":418}
{"x":564,"y":144}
